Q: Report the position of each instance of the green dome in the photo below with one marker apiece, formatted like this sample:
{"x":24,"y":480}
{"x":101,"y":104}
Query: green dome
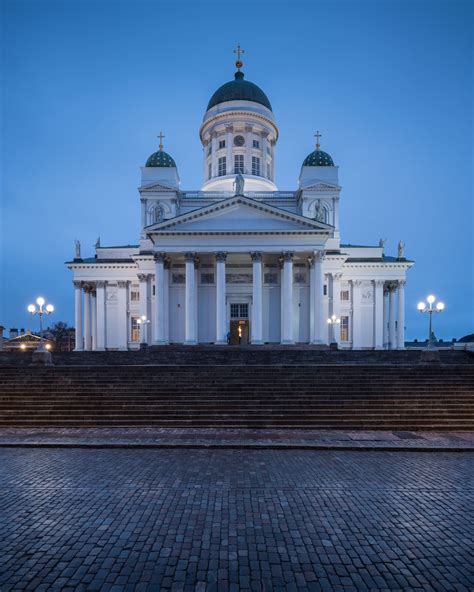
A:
{"x":318,"y":158}
{"x":160,"y":159}
{"x":239,"y":90}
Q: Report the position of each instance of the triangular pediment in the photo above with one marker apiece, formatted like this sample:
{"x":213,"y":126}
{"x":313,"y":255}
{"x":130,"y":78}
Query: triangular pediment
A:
{"x":239,"y":214}
{"x":157,"y":188}
{"x":320,"y":186}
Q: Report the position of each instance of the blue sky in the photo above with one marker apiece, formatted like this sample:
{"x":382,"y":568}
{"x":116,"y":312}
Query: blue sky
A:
{"x":87,"y":86}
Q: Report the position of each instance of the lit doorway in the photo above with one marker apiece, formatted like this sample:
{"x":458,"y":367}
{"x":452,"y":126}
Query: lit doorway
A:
{"x":239,"y":323}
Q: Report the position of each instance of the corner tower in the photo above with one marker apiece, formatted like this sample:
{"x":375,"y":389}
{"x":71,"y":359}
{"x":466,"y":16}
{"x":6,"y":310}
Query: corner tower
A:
{"x":238,"y":135}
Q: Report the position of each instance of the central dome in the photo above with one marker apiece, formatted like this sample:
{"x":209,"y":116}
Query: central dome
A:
{"x":239,"y":90}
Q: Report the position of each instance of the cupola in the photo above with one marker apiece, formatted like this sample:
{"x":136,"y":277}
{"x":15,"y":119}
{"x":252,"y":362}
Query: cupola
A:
{"x":160,"y":167}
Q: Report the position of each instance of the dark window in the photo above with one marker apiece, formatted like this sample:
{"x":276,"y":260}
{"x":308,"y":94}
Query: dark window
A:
{"x":221,"y":144}
{"x":239,"y":163}
{"x":221,"y":167}
{"x":256,"y":144}
{"x":255,"y":166}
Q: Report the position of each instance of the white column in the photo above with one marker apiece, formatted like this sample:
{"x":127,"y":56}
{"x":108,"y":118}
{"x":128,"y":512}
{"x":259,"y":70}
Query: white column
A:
{"x":356,"y":315}
{"x":100,"y":287}
{"x":257,"y":300}
{"x":391,"y":315}
{"x":160,"y":298}
{"x":228,"y":143}
{"x":167,"y":300}
{"x":143,"y":279}
{"x":78,"y":316}
{"x":320,"y":323}
{"x":336,"y":303}
{"x":220,"y":299}
{"x":206,"y":150}
{"x":265,"y":159}
{"x":122,"y":322}
{"x":248,"y":150}
{"x":87,"y":318}
{"x":287,"y":298}
{"x":213,"y":154}
{"x":378,"y":314}
{"x":385,"y":317}
{"x":190,"y":301}
{"x":401,"y":315}
{"x":312,"y":318}
{"x":94,"y":318}
{"x":143,"y":212}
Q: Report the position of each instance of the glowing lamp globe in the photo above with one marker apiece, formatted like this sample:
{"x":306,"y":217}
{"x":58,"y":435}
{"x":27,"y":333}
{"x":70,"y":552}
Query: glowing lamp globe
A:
{"x":421,"y":306}
{"x":40,"y":301}
{"x":440,"y":306}
{"x":31,"y":308}
{"x":431,"y":299}
{"x":50,"y":308}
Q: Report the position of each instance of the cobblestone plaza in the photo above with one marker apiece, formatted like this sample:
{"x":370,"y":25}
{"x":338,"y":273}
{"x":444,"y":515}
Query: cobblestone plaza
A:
{"x":98,"y":519}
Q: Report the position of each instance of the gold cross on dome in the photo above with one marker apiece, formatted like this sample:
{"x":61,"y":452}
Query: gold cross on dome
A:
{"x":239,"y":51}
{"x":317,"y":135}
{"x":161,"y":136}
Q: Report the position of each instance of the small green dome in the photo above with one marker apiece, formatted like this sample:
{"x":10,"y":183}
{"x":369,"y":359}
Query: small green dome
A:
{"x":318,"y":158}
{"x":239,"y":90}
{"x":160,"y":159}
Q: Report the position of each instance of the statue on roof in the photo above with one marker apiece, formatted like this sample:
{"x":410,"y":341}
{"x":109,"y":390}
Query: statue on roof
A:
{"x":77,"y":249}
{"x":319,"y":213}
{"x":239,"y":184}
{"x":382,"y":242}
{"x":97,"y":243}
{"x":401,"y":250}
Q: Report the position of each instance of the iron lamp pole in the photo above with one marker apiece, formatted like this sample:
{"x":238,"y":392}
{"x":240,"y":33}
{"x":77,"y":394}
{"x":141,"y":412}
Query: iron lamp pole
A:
{"x":40,"y":311}
{"x":332,"y":321}
{"x":143,"y":322}
{"x":430,"y":309}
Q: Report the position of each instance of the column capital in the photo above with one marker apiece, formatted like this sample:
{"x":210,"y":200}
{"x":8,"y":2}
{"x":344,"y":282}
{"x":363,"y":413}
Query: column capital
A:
{"x":390,"y":286}
{"x":87,"y":288}
{"x":356,"y":283}
{"x":101,"y":283}
{"x":287,"y":256}
{"x":159,"y":257}
{"x":402,"y":283}
{"x":229,"y":128}
{"x":256,"y":256}
{"x":221,"y":256}
{"x":248,"y":128}
{"x":77,"y":284}
{"x":142,"y":277}
{"x":167,"y":263}
{"x":379,"y":283}
{"x":336,"y":277}
{"x":319,"y":256}
{"x":190,"y":256}
{"x":122,"y":283}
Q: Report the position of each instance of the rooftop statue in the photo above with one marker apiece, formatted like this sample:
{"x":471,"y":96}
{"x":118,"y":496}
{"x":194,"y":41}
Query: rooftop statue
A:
{"x":239,"y":184}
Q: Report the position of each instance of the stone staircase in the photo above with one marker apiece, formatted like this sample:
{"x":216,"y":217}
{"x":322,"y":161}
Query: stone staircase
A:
{"x":345,"y":395}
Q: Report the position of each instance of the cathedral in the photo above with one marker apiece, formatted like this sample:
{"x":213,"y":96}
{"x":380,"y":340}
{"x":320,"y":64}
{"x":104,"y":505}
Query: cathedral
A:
{"x":239,"y":261}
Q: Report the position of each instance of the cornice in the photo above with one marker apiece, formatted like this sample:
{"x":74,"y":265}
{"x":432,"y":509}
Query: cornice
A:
{"x":239,"y":113}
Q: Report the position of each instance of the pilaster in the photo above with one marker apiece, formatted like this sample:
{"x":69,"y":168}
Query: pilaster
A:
{"x":257,"y":299}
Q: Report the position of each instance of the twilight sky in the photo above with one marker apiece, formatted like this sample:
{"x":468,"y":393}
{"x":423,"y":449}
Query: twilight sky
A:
{"x":88,"y":85}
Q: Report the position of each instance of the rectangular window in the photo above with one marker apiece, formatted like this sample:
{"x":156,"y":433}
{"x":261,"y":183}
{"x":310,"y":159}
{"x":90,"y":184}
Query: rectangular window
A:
{"x":239,"y":311}
{"x":256,"y":166}
{"x":135,"y":332}
{"x":239,"y":164}
{"x":221,"y":144}
{"x":345,"y":295}
{"x":134,"y":296}
{"x":256,"y":144}
{"x":344,"y":328}
{"x":270,"y":278}
{"x":178,"y":278}
{"x":207,"y":278}
{"x":209,"y":171}
{"x":300,"y":278}
{"x":154,"y":289}
{"x":221,"y":167}
{"x":325,"y":290}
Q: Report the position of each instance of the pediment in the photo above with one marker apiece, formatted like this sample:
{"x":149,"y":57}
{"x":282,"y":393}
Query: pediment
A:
{"x":157,"y":188}
{"x":320,"y":186}
{"x":239,"y":214}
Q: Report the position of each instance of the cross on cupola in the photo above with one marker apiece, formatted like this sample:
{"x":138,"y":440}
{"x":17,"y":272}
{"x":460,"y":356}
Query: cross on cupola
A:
{"x":317,"y":135}
{"x":161,"y":136}
{"x":239,"y":51}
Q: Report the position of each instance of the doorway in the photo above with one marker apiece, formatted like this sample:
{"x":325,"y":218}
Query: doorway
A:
{"x":239,"y":332}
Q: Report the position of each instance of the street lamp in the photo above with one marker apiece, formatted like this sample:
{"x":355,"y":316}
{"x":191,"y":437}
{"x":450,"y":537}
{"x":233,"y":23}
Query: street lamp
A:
{"x":40,"y":311}
{"x":143,"y":322}
{"x":332,"y":321}
{"x":428,"y":308}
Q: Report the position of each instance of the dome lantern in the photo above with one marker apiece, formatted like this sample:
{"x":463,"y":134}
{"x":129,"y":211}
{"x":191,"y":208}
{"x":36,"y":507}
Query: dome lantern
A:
{"x":318,"y":157}
{"x":160,"y":158}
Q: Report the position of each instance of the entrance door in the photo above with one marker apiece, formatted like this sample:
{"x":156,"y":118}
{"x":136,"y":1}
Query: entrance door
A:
{"x":239,"y":323}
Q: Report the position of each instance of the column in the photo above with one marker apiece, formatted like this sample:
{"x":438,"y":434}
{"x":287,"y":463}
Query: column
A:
{"x":122,"y":314}
{"x":143,"y":212}
{"x":287,"y":299}
{"x":312,"y":318}
{"x":167,"y":299}
{"x":336,"y":303}
{"x":391,"y":315}
{"x":206,"y":150}
{"x":248,"y":150}
{"x":213,"y":154}
{"x":379,"y":314}
{"x":265,"y":163}
{"x":143,"y":280}
{"x":94,"y":318}
{"x":401,"y":315}
{"x":78,"y":316}
{"x":356,"y":315}
{"x":221,"y":327}
{"x":160,"y":298}
{"x":190,"y":301}
{"x":257,"y":300}
{"x":228,"y":143}
{"x":320,"y":323}
{"x":87,"y":318}
{"x":100,"y":288}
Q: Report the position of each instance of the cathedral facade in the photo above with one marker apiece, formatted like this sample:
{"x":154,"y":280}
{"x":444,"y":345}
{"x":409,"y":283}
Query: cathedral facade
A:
{"x":239,"y":261}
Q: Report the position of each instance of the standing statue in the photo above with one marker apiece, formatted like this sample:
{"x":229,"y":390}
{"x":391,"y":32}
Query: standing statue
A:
{"x":78,"y":249}
{"x":401,"y":250}
{"x":319,"y":214}
{"x":382,"y":242}
{"x":239,"y":184}
{"x":97,"y":243}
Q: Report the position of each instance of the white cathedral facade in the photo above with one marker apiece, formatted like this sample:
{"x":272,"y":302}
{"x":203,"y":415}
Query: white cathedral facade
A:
{"x":239,"y":261}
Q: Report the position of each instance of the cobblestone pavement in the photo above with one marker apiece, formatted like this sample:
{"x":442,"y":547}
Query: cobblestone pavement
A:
{"x":241,"y":438}
{"x":237,"y":520}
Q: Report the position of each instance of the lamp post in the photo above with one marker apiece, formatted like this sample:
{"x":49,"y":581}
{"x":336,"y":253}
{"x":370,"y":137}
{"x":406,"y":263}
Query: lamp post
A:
{"x":332,"y":321}
{"x":41,"y":355}
{"x":428,"y":308}
{"x":143,"y":322}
